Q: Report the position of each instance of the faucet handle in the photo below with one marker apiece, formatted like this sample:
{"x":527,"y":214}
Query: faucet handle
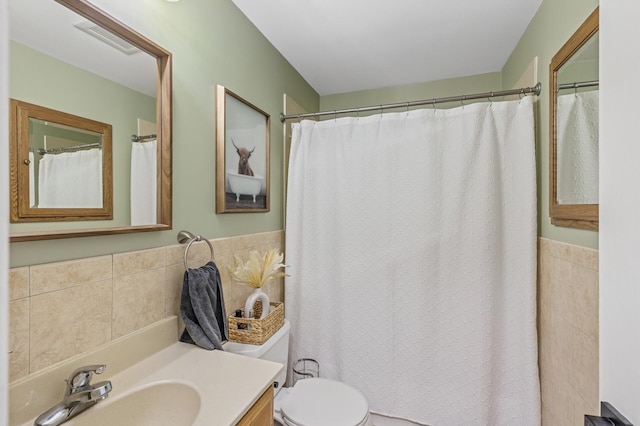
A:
{"x":82,"y":376}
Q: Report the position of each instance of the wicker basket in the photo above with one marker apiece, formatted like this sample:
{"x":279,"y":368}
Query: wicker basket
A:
{"x":256,"y":331}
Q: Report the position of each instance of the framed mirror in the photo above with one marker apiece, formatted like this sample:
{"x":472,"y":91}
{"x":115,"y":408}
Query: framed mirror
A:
{"x":69,"y":56}
{"x":60,"y":166}
{"x":573,"y":140}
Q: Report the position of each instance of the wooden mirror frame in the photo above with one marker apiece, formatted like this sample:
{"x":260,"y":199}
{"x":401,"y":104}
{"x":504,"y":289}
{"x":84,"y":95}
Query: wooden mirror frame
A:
{"x":164,"y":129}
{"x":21,"y":210}
{"x":584,"y":216}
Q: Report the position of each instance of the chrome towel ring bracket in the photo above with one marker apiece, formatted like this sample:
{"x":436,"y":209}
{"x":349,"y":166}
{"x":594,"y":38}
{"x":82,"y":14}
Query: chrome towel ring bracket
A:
{"x":186,"y":237}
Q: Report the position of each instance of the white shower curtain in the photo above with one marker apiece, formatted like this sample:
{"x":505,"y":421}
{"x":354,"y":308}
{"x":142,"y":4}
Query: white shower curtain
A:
{"x":71,"y":180}
{"x":578,"y":148}
{"x":411,"y":240}
{"x":32,"y":181}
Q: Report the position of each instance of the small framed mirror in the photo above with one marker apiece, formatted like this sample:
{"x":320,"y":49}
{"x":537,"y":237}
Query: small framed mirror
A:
{"x":573,"y":140}
{"x":70,"y":159}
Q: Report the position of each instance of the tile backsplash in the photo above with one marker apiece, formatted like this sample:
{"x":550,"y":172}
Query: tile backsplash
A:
{"x":59,"y":310}
{"x":568,"y":332}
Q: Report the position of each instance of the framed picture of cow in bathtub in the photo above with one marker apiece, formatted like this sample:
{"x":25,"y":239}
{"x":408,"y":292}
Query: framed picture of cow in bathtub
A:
{"x":242,"y":155}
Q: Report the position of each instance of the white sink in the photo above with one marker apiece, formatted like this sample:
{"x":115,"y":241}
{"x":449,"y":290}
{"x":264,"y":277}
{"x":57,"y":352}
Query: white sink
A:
{"x":178,"y":385}
{"x":161,"y":403}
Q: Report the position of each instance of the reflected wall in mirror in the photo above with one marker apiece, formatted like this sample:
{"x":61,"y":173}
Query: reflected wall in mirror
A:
{"x":573,"y":150}
{"x":60,"y":166}
{"x":70,"y":56}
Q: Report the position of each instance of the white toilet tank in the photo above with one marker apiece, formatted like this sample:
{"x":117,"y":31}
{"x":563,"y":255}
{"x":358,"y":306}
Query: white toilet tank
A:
{"x":275,"y":349}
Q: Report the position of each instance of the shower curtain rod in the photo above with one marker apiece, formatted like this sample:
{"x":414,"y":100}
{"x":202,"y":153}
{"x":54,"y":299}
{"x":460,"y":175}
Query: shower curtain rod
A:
{"x":43,"y":151}
{"x":579,"y":84}
{"x":535,"y":90}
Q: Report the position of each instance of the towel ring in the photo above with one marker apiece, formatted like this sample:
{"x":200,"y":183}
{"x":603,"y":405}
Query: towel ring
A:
{"x":189,"y":238}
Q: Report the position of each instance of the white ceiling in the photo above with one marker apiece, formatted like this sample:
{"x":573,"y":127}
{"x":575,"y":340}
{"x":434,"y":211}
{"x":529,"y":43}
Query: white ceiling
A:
{"x":348,"y":45}
{"x":48,"y":27}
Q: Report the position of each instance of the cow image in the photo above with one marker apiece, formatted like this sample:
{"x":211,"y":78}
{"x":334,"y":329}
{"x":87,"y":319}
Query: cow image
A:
{"x":243,"y":162}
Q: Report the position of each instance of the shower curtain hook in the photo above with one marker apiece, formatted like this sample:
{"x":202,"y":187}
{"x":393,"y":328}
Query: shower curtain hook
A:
{"x":381,"y":110}
{"x":407,"y":108}
{"x":335,"y":115}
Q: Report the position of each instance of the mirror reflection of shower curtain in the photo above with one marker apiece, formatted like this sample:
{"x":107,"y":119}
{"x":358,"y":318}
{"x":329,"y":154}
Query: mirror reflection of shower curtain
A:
{"x":144,"y":183}
{"x":411,"y":241}
{"x":70,"y":180}
{"x":577,"y":148}
{"x":32,"y":180}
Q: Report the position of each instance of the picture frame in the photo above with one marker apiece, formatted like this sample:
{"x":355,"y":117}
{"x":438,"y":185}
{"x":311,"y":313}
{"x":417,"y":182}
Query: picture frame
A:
{"x":242,"y":155}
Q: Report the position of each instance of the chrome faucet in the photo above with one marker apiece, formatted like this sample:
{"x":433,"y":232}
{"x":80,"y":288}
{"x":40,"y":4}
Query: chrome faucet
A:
{"x":78,"y":396}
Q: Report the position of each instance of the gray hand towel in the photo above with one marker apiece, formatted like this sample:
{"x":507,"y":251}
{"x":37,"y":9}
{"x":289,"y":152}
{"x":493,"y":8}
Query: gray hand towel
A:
{"x":202,"y":308}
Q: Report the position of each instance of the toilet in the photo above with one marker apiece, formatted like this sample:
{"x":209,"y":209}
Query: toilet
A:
{"x":311,"y":402}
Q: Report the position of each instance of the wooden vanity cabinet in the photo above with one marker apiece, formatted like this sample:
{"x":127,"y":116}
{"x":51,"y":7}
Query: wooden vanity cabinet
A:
{"x":261,"y":413}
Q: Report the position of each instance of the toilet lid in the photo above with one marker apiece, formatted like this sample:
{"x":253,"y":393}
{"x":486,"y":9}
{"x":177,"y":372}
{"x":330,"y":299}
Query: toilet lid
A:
{"x":324,"y":402}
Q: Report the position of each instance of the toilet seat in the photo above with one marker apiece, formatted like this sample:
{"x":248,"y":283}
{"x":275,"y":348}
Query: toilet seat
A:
{"x":324,"y":402}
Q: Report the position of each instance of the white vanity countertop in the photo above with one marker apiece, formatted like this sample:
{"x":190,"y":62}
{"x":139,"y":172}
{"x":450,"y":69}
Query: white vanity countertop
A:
{"x":228,"y":384}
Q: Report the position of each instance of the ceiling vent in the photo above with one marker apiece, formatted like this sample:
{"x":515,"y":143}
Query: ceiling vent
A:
{"x":107,"y":37}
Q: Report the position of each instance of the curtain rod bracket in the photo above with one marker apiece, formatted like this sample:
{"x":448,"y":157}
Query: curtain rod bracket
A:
{"x":136,"y":138}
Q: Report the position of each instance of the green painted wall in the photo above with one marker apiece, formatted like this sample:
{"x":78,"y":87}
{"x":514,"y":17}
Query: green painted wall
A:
{"x":413,"y":92}
{"x":212,"y":43}
{"x":553,"y":24}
